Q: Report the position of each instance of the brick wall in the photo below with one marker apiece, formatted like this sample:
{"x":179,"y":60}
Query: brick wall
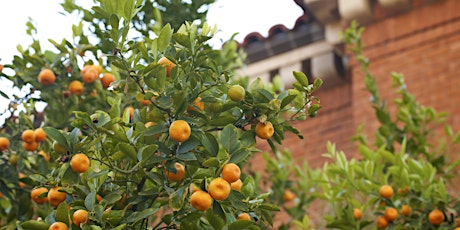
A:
{"x":422,"y":43}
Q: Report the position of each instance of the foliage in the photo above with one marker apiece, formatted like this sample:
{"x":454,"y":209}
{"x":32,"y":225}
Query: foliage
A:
{"x":405,"y":155}
{"x":124,"y":129}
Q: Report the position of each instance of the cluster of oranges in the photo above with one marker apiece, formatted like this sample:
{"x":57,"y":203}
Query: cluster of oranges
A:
{"x":31,"y":138}
{"x":218,"y":189}
{"x":89,"y":74}
{"x":435,"y":217}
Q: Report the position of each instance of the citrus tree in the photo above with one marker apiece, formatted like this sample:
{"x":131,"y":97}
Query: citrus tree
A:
{"x":140,"y":131}
{"x":399,"y":181}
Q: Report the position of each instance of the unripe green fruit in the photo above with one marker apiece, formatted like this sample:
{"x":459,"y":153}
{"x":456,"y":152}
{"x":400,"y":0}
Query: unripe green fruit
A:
{"x":236,"y":93}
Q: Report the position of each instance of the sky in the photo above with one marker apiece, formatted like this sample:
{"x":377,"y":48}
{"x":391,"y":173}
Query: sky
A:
{"x":230,"y":16}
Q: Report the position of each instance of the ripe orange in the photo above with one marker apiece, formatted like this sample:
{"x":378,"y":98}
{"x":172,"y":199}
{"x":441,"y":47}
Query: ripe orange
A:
{"x":265,"y":130}
{"x":80,"y":216}
{"x":76,"y":87}
{"x":201,"y":200}
{"x":20,"y":183}
{"x":80,"y":163}
{"x":58,"y":226}
{"x":40,"y":135}
{"x":382,"y":222}
{"x":357,"y":214}
{"x":32,"y":146}
{"x":237,"y":185}
{"x":44,"y":155}
{"x":180,"y":173}
{"x":1,"y":68}
{"x":59,"y":148}
{"x":391,"y":214}
{"x":46,"y":77}
{"x":55,"y":197}
{"x":436,"y":217}
{"x":386,"y":191}
{"x":236,"y":93}
{"x":179,"y":131}
{"x":231,"y":172}
{"x":90,"y":75}
{"x":107,"y":79}
{"x":458,"y":222}
{"x":37,"y":192}
{"x":197,"y":103}
{"x":288,"y":196}
{"x":28,"y":136}
{"x":219,"y":189}
{"x":4,"y":143}
{"x":406,"y":210}
{"x":243,"y":216}
{"x":169,"y":65}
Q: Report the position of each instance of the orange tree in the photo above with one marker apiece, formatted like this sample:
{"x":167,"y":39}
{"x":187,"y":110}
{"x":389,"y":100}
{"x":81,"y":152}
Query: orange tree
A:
{"x":398,"y":182}
{"x":138,"y":129}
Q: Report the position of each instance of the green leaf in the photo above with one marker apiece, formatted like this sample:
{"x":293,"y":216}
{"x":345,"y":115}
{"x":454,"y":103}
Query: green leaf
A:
{"x":146,"y":152}
{"x":222,"y":120}
{"x":240,"y":224}
{"x":301,"y":78}
{"x":164,"y":38}
{"x":177,"y":198}
{"x":288,"y":99}
{"x":35,"y":225}
{"x":269,"y":207}
{"x":239,"y":156}
{"x":128,"y":150}
{"x":187,"y":146}
{"x":187,"y":157}
{"x":57,"y":136}
{"x":62,"y":213}
{"x":229,"y":138}
{"x":182,"y":39}
{"x":136,"y":216}
{"x":210,"y":143}
{"x":213,"y":216}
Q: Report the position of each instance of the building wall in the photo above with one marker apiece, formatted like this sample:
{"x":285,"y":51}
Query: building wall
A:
{"x":423,"y":43}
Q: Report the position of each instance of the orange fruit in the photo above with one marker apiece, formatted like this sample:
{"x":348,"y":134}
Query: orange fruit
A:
{"x":90,"y":76}
{"x":406,"y":210}
{"x":201,"y":200}
{"x":79,"y":217}
{"x":386,"y":191}
{"x":1,"y":68}
{"x":458,"y":222}
{"x":237,"y":185}
{"x":59,"y":148}
{"x":1,"y":195}
{"x":28,"y":136}
{"x":243,"y":216}
{"x":236,"y":93}
{"x":231,"y":172}
{"x":4,"y":143}
{"x":107,"y":79}
{"x":436,"y":217}
{"x":98,"y":198}
{"x":357,"y":214}
{"x":46,"y":77}
{"x":180,"y":131}
{"x":169,"y":65}
{"x":20,"y":183}
{"x":80,"y":163}
{"x":55,"y":197}
{"x":44,"y":155}
{"x":219,"y":189}
{"x":391,"y":214}
{"x":382,"y":222}
{"x":197,"y":103}
{"x":32,"y":146}
{"x":265,"y":130}
{"x":40,"y":135}
{"x":288,"y":196}
{"x":457,"y":228}
{"x":37,"y":192}
{"x":76,"y":87}
{"x":145,"y":102}
{"x":58,"y":226}
{"x":178,"y":175}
